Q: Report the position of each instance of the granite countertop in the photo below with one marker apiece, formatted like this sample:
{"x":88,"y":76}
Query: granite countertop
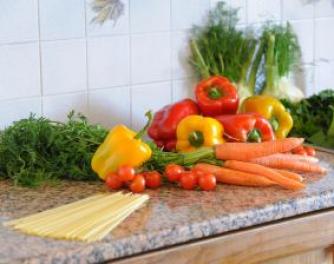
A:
{"x":172,"y":216}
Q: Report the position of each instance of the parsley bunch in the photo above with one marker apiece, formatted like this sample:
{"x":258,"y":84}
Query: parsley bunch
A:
{"x":37,"y":150}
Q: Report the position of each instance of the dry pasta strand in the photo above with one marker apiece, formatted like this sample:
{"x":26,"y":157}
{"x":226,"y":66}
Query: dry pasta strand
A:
{"x":89,"y":219}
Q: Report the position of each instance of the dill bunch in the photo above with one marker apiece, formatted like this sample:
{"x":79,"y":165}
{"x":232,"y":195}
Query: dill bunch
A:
{"x":36,"y":150}
{"x":219,"y":47}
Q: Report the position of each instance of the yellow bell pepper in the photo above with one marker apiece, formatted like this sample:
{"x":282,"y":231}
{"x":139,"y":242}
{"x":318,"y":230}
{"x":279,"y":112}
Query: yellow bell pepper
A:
{"x":121,"y":147}
{"x":271,"y":109}
{"x":196,"y":131}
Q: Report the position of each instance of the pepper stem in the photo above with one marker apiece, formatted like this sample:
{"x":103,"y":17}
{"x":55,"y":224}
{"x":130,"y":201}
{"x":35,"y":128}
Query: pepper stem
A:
{"x":254,"y":136}
{"x":214,"y":93}
{"x":274,"y":123}
{"x":143,"y":131}
{"x":196,"y":139}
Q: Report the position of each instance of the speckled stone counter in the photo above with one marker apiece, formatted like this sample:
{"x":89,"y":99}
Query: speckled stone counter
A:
{"x":172,"y":216}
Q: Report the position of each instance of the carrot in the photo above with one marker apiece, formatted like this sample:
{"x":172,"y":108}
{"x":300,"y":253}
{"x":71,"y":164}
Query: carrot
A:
{"x":288,"y":156}
{"x":288,"y":164}
{"x":234,"y":177}
{"x":291,"y":175}
{"x":247,"y":151}
{"x":266,"y":172}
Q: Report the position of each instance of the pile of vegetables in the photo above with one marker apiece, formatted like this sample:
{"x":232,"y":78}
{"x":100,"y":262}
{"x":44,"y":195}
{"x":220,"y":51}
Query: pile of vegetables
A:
{"x":255,"y":64}
{"x":199,"y":143}
{"x":235,"y":132}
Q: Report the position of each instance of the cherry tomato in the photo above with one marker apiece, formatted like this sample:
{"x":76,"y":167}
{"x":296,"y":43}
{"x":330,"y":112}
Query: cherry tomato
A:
{"x":310,"y":151}
{"x":173,"y":172}
{"x":188,"y":180}
{"x":198,"y":173}
{"x":113,"y":182}
{"x":207,"y":182}
{"x":153,"y":179}
{"x":138,"y":184}
{"x":126,"y":173}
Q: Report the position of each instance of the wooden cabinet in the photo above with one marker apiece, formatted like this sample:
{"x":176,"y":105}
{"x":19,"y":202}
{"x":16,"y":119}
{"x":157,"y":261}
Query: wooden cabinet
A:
{"x":307,"y":239}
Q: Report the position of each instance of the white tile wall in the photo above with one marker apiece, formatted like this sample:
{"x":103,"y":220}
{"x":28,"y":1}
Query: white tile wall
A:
{"x":324,"y":40}
{"x":64,"y":66}
{"x":148,"y":97}
{"x":149,"y":15}
{"x":181,"y":67}
{"x":20,"y":71}
{"x":17,"y":109}
{"x":62,"y":19}
{"x":297,"y":9}
{"x":108,"y":61}
{"x":53,"y":58}
{"x":186,"y":13}
{"x":13,"y":29}
{"x":150,"y":57}
{"x":110,"y":106}
{"x":263,"y":10}
{"x":324,"y":8}
{"x":323,"y":76}
{"x":183,"y":88}
{"x":305,"y":32}
{"x":58,"y":106}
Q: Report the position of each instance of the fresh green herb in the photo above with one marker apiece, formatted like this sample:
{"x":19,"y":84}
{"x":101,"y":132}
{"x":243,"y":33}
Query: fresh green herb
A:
{"x":282,"y":55}
{"x":36,"y":150}
{"x":220,"y":48}
{"x":314,"y":118}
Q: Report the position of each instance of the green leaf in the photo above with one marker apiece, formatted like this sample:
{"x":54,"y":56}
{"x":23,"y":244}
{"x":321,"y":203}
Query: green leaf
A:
{"x":330,"y":131}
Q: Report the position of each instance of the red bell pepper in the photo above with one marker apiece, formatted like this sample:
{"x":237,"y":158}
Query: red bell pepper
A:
{"x":249,"y":127}
{"x":217,"y":96}
{"x":165,"y":121}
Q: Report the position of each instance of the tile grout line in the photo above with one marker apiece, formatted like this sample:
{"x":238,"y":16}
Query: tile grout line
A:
{"x":92,"y":89}
{"x":40,"y":58}
{"x":314,"y":51}
{"x":130,"y":65}
{"x":171,"y":39}
{"x":246,"y":12}
{"x":87,"y":61}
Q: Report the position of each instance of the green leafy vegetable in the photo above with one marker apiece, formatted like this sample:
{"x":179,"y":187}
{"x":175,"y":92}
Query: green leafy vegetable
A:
{"x":282,"y":54}
{"x":36,"y":150}
{"x":314,"y":118}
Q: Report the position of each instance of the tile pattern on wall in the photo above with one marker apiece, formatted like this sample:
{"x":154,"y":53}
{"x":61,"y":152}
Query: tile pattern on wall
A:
{"x":54,"y":59}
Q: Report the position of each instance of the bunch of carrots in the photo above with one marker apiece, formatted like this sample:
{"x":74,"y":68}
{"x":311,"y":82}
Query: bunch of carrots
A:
{"x":247,"y":164}
{"x":263,"y":164}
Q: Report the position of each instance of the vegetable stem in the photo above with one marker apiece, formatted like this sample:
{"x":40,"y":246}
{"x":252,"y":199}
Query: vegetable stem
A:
{"x":271,"y":70}
{"x":255,"y":67}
